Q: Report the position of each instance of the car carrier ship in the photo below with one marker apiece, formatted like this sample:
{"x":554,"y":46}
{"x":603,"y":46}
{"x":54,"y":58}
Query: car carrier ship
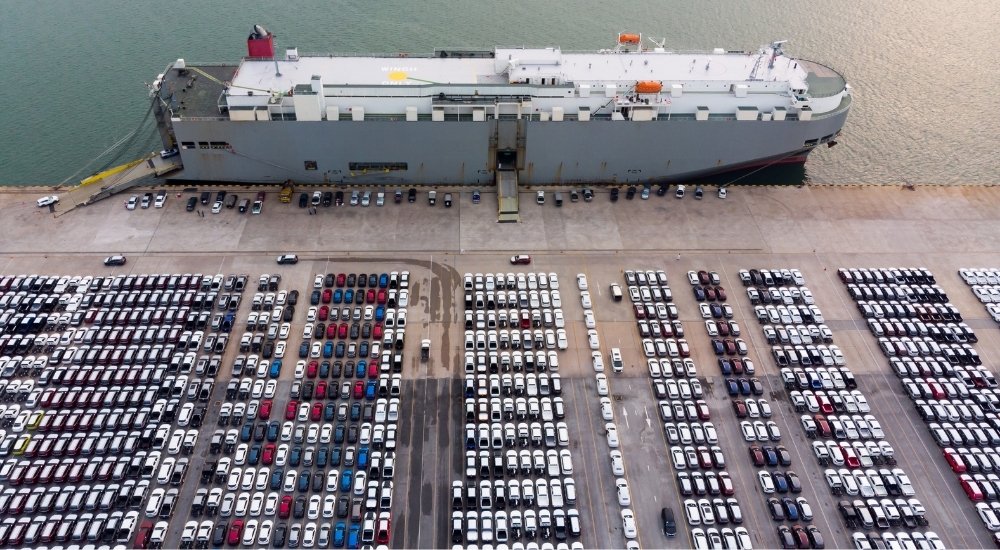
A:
{"x":634,"y":113}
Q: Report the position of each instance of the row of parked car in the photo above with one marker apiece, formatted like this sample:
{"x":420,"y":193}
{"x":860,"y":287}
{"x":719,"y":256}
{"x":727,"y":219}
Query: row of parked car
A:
{"x":712,"y":511}
{"x":942,"y":374}
{"x":823,"y":390}
{"x":755,"y":413}
{"x":127,"y":376}
{"x":985,"y":285}
{"x":518,"y":468}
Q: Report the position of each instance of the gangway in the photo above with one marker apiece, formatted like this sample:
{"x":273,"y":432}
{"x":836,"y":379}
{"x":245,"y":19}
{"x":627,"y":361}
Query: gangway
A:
{"x":507,"y":206}
{"x":115,"y":180}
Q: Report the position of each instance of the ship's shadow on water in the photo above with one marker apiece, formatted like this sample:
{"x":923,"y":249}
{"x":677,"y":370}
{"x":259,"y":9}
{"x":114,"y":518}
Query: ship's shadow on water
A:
{"x":787,"y":174}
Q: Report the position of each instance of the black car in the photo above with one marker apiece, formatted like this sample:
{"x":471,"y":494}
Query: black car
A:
{"x":114,"y":260}
{"x":293,"y":297}
{"x":303,"y":200}
{"x":192,"y":202}
{"x":630,"y":193}
{"x":661,"y":190}
{"x":219,"y":535}
{"x":412,"y":196}
{"x":397,"y":197}
{"x":205,"y":195}
{"x":327,"y":198}
{"x":614,"y":194}
{"x":338,"y":198}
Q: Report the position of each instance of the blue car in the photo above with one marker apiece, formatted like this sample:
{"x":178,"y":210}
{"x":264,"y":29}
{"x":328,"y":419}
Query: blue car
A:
{"x":295,"y":456}
{"x":303,"y":350}
{"x":272,"y":431}
{"x":339,"y":534}
{"x":275,"y":370}
{"x":370,"y":388}
{"x":363,"y":457}
{"x":363,"y":349}
{"x":346,"y":477}
{"x":361,"y":368}
{"x":335,"y":456}
{"x":353,"y":536}
{"x":328,"y":349}
{"x":380,"y":313}
{"x":338,"y":296}
{"x":246,"y":433}
{"x":349,"y":296}
{"x":276,"y":477}
{"x":732,"y":387}
{"x":304,"y":478}
{"x":383,"y":280}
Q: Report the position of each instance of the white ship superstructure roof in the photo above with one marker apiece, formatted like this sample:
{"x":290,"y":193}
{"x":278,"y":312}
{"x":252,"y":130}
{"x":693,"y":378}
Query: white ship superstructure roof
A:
{"x":513,"y":65}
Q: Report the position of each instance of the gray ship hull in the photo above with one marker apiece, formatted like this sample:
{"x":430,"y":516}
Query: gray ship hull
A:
{"x":386,"y":152}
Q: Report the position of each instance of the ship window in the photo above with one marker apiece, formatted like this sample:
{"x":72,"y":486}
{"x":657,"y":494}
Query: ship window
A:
{"x":311,"y":165}
{"x":219,"y":145}
{"x":381,"y":166}
{"x":187,"y":145}
{"x":811,"y":142}
{"x":203,"y":145}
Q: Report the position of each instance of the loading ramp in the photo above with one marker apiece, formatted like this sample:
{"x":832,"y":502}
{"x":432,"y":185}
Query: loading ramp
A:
{"x":115,"y":180}
{"x":507,"y":208}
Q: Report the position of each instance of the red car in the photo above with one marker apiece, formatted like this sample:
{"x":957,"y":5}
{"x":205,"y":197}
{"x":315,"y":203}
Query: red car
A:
{"x":372,"y":369}
{"x":285,"y":508}
{"x":954,"y":461}
{"x":377,"y":331}
{"x":640,"y":311}
{"x":267,"y":457}
{"x":757,"y":456}
{"x":381,"y":296}
{"x":382,"y":532}
{"x":370,"y":296}
{"x":293,"y":407}
{"x":321,"y":389}
{"x":331,"y":331}
{"x":971,"y":488}
{"x":317,"y":412}
{"x":324,"y":313}
{"x":327,"y":295}
{"x":342,"y":331}
{"x":359,"y":389}
{"x":235,"y":532}
{"x":341,"y":279}
{"x":265,"y":409}
{"x":311,"y":369}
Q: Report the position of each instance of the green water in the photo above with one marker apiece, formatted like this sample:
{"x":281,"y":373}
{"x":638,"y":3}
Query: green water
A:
{"x":925,"y":74}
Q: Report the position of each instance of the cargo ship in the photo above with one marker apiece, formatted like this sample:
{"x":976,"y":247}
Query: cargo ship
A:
{"x":634,"y":113}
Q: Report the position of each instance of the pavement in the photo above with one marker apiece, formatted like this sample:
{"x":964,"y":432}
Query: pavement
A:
{"x":816,"y":229}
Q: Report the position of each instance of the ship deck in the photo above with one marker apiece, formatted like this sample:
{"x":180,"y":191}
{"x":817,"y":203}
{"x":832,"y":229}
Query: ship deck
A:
{"x":196,"y":90}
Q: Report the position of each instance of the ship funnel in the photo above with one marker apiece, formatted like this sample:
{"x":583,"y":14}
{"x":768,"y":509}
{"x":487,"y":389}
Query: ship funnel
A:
{"x":260,"y":43}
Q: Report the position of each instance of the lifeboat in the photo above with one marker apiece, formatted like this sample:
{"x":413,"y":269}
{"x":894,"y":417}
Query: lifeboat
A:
{"x":628,"y":38}
{"x":648,"y":87}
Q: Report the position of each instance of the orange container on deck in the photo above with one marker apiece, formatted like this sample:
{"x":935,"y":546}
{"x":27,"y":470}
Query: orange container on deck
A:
{"x":648,"y":87}
{"x":628,"y":38}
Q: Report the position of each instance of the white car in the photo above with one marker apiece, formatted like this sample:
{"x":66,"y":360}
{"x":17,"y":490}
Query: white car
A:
{"x":45,"y":201}
{"x":598,"y":361}
{"x":581,"y":281}
{"x":612,"y":432}
{"x":617,"y":463}
{"x":595,"y":342}
{"x":588,"y":318}
{"x":628,"y":524}
{"x":602,"y":384}
{"x":607,"y":412}
{"x":585,"y":299}
{"x":624,"y":496}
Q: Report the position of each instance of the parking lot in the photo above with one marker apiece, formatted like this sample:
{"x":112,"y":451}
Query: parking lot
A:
{"x":765,"y":228}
